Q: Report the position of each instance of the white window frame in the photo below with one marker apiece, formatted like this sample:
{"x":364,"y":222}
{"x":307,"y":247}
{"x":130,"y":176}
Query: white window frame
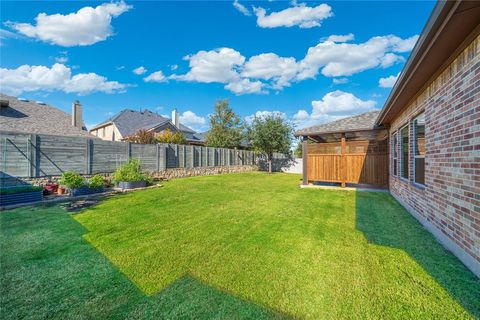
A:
{"x":414,"y":145}
{"x":400,"y":172}
{"x":394,"y":151}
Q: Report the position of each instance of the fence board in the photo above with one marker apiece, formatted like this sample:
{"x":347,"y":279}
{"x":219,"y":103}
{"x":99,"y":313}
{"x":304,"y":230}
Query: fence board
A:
{"x":48,"y":155}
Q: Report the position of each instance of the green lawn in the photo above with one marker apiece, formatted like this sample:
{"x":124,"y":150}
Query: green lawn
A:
{"x":232,"y":246}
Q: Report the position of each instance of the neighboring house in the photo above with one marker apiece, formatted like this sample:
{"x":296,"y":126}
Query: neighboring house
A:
{"x":21,"y":115}
{"x":425,"y":140}
{"x":128,"y":122}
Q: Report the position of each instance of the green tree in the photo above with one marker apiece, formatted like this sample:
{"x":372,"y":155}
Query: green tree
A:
{"x":298,"y":152}
{"x":168,"y":136}
{"x":270,"y":134}
{"x":226,"y":129}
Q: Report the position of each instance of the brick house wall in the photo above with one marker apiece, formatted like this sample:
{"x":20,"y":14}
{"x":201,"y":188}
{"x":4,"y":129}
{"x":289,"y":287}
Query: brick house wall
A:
{"x":449,"y":203}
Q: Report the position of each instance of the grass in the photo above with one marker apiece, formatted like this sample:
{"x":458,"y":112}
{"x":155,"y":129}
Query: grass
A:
{"x":232,"y":246}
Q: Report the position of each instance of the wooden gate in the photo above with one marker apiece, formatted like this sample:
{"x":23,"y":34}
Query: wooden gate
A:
{"x":357,"y":162}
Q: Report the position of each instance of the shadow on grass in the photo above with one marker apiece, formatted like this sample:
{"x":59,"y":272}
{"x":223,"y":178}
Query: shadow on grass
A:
{"x":48,"y":270}
{"x":385,"y":222}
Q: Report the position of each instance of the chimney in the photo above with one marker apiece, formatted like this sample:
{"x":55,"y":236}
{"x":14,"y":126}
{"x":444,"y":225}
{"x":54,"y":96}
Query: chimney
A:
{"x":77,"y":114}
{"x":175,"y":120}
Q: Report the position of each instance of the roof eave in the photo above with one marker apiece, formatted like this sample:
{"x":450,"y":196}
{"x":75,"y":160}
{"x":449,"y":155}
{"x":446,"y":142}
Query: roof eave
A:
{"x":410,"y":84}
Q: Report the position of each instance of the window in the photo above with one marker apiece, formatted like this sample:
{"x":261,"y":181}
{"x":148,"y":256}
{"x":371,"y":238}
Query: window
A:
{"x":419,"y":148}
{"x":404,"y":144}
{"x":394,"y":154}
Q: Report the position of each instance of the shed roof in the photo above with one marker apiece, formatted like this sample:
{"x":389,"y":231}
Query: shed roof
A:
{"x":34,"y":117}
{"x":360,"y":122}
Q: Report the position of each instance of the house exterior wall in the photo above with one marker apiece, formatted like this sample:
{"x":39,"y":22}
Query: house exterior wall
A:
{"x":108,"y":132}
{"x":449,"y":203}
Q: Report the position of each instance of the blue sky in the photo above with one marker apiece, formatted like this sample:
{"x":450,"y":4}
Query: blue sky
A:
{"x":312,"y":61}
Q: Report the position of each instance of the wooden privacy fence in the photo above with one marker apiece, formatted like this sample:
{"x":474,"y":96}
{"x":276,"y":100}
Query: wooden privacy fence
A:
{"x":37,"y":155}
{"x":358,"y":162}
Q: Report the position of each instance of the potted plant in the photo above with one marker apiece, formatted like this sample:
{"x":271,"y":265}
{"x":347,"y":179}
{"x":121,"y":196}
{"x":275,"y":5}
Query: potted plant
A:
{"x":20,"y":194}
{"x":78,"y":186}
{"x":129,"y":175}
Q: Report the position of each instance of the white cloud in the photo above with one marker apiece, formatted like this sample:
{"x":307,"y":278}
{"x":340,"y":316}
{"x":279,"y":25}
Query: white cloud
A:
{"x":332,"y":106}
{"x":140,"y":70}
{"x":341,"y":38}
{"x":213,"y":66}
{"x":262,"y":114}
{"x":299,"y":15}
{"x":344,"y":59}
{"x":61,"y":59}
{"x":269,"y":66}
{"x":190,"y":119}
{"x":57,"y":78}
{"x":240,"y":7}
{"x":341,"y":80}
{"x":388,"y":82}
{"x":119,"y":68}
{"x":267,"y":71}
{"x":173,"y":67}
{"x":245,"y":86}
{"x":85,"y":27}
{"x":157,"y":76}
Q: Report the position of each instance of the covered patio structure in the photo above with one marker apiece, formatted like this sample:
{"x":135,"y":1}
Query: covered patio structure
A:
{"x":349,"y":151}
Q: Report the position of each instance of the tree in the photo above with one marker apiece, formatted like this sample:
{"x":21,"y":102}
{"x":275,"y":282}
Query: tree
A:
{"x":298,"y":152}
{"x":226,"y":129}
{"x":142,"y":136}
{"x":168,"y":136}
{"x":269,"y":134}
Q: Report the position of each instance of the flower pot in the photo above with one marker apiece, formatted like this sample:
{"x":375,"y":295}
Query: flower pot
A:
{"x":84,"y":191}
{"x":132,"y":184}
{"x":61,"y":190}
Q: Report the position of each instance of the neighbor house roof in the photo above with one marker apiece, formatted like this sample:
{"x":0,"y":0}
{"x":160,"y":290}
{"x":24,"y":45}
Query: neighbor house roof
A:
{"x":36,"y":117}
{"x":129,"y":121}
{"x":452,"y":26}
{"x":360,"y":122}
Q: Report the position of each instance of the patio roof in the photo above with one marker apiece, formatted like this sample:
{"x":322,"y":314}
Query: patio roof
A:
{"x":360,"y":122}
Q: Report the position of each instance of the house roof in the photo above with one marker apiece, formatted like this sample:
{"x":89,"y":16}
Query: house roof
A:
{"x":452,"y":26}
{"x":129,"y":121}
{"x":360,"y":122}
{"x":34,"y":117}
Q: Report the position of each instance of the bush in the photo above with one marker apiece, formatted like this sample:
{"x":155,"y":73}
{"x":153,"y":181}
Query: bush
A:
{"x":96,"y":182}
{"x":142,"y":136}
{"x":130,"y":171}
{"x":72,"y":180}
{"x":168,"y":136}
{"x":20,"y":189}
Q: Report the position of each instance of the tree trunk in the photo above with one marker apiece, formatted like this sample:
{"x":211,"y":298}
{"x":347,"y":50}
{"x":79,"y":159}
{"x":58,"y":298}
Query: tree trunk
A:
{"x":269,"y":165}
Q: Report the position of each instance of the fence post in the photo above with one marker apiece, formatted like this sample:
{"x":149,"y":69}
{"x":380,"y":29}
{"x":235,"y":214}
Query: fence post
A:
{"x":207,"y":156}
{"x":163,"y":157}
{"x":344,"y":162}
{"x":128,"y":150}
{"x":184,"y":156}
{"x":88,"y":154}
{"x":32,"y":154}
{"x":192,"y":152}
{"x":157,"y":164}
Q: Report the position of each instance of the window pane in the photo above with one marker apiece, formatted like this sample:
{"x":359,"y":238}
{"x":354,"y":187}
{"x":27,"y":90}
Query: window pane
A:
{"x":404,"y":153}
{"x":420,"y":170}
{"x":394,"y":154}
{"x":419,"y":131}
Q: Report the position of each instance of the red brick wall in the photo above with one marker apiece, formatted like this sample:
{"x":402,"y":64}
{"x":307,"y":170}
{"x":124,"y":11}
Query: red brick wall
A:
{"x":450,"y":200}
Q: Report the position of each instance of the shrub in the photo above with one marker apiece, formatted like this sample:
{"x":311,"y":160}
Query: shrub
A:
{"x":168,"y":136}
{"x":142,"y":136}
{"x":130,"y":171}
{"x":71,"y":180}
{"x":96,"y":182}
{"x":20,"y":189}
